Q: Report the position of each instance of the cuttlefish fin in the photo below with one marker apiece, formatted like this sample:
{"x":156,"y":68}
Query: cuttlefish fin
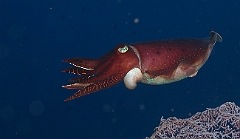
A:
{"x":194,"y":74}
{"x":215,"y":37}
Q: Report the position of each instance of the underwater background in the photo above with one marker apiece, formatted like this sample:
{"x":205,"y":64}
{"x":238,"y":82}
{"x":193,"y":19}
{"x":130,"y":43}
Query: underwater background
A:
{"x":36,"y":35}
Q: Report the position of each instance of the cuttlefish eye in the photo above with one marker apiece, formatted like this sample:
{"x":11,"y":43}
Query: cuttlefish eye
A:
{"x":123,"y":50}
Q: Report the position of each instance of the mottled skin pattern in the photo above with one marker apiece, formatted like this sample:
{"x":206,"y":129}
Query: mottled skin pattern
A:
{"x":162,"y":58}
{"x":156,"y":62}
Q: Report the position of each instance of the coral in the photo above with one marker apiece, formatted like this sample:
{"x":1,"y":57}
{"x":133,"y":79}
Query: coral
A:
{"x":221,"y":122}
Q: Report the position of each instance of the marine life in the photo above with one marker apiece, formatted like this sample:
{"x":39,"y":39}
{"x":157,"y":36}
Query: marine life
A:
{"x":154,"y":62}
{"x":222,"y":122}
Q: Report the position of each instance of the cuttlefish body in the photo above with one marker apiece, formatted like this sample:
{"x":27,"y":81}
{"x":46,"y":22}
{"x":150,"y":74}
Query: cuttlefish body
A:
{"x":155,"y":63}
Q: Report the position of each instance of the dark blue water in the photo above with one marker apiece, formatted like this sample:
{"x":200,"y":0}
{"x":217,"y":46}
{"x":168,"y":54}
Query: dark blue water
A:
{"x":36,"y":35}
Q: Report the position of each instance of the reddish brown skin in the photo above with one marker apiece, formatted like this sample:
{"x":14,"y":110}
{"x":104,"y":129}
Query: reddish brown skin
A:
{"x":107,"y":71}
{"x":167,"y":54}
{"x":157,"y":58}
